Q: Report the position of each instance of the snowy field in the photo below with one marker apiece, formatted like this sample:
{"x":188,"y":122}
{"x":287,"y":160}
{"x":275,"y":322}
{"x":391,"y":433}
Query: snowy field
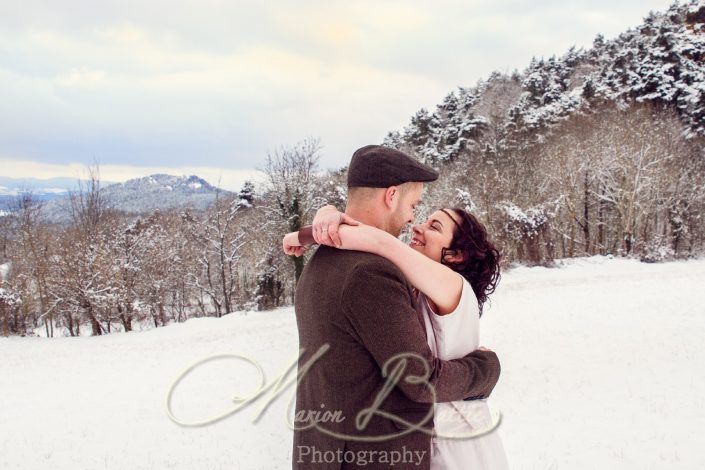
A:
{"x":602,"y":367}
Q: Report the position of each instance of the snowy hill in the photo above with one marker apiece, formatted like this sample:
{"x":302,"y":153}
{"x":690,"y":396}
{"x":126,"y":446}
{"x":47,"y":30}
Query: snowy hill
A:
{"x":143,"y":195}
{"x":160,"y":191}
{"x":601,"y":363}
{"x":661,"y":62}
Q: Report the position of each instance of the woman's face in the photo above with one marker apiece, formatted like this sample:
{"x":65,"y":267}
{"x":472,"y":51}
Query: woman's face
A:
{"x":435,"y":234}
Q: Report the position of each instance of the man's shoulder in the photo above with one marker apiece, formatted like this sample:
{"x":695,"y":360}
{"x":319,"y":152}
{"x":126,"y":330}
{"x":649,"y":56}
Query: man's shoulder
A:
{"x":351,"y":264}
{"x":352,"y":258}
{"x":364,"y":261}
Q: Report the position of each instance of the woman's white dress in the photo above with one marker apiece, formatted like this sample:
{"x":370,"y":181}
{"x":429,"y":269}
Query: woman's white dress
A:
{"x":453,"y":336}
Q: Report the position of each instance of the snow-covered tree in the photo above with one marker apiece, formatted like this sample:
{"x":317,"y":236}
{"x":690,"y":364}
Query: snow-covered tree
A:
{"x":219,"y":242}
{"x":9,"y":302}
{"x":292,"y":193}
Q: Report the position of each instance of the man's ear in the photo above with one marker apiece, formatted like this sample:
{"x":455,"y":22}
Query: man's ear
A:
{"x":391,"y":194}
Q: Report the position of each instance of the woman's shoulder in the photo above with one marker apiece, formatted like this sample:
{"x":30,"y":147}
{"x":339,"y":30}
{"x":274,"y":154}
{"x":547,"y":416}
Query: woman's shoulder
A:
{"x":468,"y":299}
{"x":468,"y":305}
{"x":457,"y":333}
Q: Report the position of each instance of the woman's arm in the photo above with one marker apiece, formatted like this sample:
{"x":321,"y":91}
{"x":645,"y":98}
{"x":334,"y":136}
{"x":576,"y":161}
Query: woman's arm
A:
{"x":440,"y":283}
{"x":324,"y":231}
{"x":292,"y":245}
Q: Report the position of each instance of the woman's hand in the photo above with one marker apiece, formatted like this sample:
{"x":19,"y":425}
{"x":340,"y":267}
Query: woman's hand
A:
{"x":291,"y":244}
{"x":326,"y":223}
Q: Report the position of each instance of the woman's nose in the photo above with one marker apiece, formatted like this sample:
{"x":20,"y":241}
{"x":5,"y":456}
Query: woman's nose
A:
{"x":416,"y":228}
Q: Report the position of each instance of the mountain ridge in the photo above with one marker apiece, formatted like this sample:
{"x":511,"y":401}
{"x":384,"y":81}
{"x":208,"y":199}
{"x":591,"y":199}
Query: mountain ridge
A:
{"x":145,"y":194}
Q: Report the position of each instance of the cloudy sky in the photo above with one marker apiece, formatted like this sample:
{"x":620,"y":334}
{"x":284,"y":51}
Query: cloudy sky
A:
{"x":210,"y":86}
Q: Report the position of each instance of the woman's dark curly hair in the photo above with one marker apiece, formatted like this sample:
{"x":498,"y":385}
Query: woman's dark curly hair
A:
{"x":480,"y":260}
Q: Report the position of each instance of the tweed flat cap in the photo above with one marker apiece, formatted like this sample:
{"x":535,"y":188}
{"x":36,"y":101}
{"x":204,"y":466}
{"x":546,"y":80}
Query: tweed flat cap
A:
{"x":375,"y":166}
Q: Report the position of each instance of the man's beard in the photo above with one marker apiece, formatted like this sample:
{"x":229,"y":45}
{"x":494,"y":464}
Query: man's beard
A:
{"x":396,"y":224}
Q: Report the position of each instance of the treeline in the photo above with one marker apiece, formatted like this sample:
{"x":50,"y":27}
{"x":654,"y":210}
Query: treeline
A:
{"x":600,"y":151}
{"x":109,"y":271}
{"x":610,"y":180}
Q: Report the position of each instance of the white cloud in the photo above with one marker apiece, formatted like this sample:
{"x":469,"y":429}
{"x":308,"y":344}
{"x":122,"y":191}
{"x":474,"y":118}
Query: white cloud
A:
{"x":81,"y":78}
{"x":159,"y":83}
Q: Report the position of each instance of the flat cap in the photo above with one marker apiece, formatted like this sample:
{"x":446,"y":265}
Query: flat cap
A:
{"x":375,"y":166}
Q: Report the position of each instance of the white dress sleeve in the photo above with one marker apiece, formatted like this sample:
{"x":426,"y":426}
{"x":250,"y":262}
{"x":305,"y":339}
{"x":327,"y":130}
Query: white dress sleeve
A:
{"x":457,"y":333}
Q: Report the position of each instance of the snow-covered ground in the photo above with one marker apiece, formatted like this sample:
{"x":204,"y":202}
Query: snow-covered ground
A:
{"x":602,"y":365}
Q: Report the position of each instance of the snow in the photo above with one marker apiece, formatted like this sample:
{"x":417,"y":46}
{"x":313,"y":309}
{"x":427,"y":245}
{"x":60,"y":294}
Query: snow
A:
{"x":4,"y":271}
{"x":601,"y":368}
{"x":8,"y":298}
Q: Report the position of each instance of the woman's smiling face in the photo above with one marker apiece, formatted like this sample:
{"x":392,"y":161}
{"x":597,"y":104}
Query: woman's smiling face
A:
{"x":435,"y":234}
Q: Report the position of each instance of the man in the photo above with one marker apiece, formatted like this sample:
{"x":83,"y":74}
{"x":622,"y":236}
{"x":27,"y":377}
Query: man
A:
{"x":361,"y":310}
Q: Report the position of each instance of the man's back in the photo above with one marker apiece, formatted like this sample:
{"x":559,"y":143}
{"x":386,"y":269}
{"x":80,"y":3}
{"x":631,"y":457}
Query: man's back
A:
{"x":362,"y":308}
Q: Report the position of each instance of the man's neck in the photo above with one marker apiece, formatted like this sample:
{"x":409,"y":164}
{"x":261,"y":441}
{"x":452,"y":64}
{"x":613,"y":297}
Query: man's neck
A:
{"x":367,"y":217}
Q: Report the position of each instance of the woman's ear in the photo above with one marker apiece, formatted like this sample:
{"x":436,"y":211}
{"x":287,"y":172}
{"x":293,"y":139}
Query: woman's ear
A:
{"x":453,"y":256}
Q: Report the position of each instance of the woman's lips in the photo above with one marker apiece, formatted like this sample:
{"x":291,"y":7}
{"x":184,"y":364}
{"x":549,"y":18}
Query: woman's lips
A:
{"x":415,"y":242}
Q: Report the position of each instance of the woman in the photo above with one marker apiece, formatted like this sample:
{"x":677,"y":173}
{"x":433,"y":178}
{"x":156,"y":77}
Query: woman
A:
{"x":454,"y":267}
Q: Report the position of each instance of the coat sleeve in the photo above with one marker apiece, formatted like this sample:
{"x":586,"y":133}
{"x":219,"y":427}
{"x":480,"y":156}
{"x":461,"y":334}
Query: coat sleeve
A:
{"x":381,"y":313}
{"x":306,"y":235}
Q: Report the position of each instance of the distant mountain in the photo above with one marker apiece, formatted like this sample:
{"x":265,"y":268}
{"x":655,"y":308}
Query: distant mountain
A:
{"x":42,"y":189}
{"x":140,"y":195}
{"x":662,"y":61}
{"x":161,"y":191}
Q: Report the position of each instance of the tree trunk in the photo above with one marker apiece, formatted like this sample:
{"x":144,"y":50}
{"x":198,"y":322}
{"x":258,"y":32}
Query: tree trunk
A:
{"x":162,"y":316}
{"x":223,"y":281}
{"x":600,"y":226}
{"x":126,"y":322}
{"x":533,"y":249}
{"x":5,"y":325}
{"x":69,"y":323}
{"x":125,"y":317}
{"x":550,"y":245}
{"x":586,"y":216}
{"x":627,"y":242}
{"x":95,"y":325}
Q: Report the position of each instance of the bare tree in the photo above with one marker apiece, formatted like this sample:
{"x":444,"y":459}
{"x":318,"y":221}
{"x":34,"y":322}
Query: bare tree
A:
{"x":82,"y":273}
{"x":291,"y":190}
{"x":219,"y":241}
{"x":33,"y":248}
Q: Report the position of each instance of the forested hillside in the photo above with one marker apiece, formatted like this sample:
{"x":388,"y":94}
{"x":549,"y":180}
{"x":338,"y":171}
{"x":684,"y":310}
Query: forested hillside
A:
{"x":596,"y":151}
{"x":599,"y":151}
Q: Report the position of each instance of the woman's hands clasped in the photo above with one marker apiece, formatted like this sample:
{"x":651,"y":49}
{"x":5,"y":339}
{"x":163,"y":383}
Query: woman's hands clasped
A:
{"x":291,"y":245}
{"x":326,"y":223}
{"x":324,"y":230}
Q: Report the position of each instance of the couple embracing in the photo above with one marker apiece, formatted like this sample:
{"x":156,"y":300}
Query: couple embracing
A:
{"x":389,"y":332}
